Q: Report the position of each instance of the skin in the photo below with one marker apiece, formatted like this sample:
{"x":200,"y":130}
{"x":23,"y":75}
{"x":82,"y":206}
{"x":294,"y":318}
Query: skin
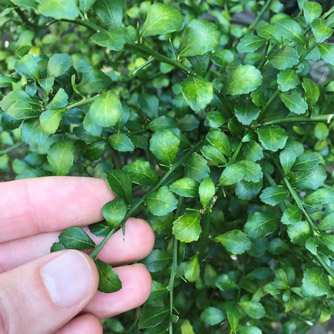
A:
{"x":32,"y":214}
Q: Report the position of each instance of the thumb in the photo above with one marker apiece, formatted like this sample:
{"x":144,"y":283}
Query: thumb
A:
{"x":42,"y":296}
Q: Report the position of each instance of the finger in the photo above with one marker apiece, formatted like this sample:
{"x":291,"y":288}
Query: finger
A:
{"x":83,"y":324}
{"x":47,"y":204}
{"x":138,"y":243}
{"x":136,"y":288}
{"x":54,"y":289}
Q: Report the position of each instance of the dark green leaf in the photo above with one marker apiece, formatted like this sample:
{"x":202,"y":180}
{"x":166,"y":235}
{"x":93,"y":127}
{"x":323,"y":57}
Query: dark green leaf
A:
{"x":185,"y":187}
{"x":306,"y":162}
{"x":291,"y":30}
{"x":321,"y":30}
{"x":232,"y":174}
{"x":260,"y":224}
{"x":287,"y":158}
{"x":149,"y":105}
{"x":206,"y":191}
{"x":312,"y":10}
{"x":75,"y":238}
{"x":292,"y":215}
{"x":312,"y":91}
{"x":327,"y":53}
{"x":249,"y":330}
{"x":59,"y":64}
{"x":109,"y":280}
{"x":212,"y":153}
{"x":273,"y":195}
{"x":254,"y":310}
{"x":233,"y":315}
{"x":310,"y":179}
{"x":161,"y":202}
{"x":327,"y":223}
{"x":192,"y":270}
{"x":299,"y":232}
{"x":215,"y":118}
{"x":196,"y":168}
{"x":246,"y":112}
{"x":141,"y":173}
{"x":100,"y":229}
{"x":114,"y":212}
{"x":152,"y":317}
{"x":57,"y":246}
{"x":272,"y":138}
{"x":59,"y":9}
{"x":187,"y":228}
{"x":294,"y":102}
{"x":120,"y":184}
{"x":27,"y":66}
{"x":212,"y":316}
{"x":315,"y":283}
{"x":284,"y":58}
{"x":248,"y":190}
{"x":287,"y":79}
{"x":235,"y":242}
{"x":250,"y":43}
{"x":225,"y":283}
{"x":60,"y":100}
{"x":157,"y":260}
{"x":320,"y":197}
{"x":121,"y":142}
{"x":219,"y":139}
{"x":113,"y":39}
{"x":110,"y":12}
{"x":253,"y":151}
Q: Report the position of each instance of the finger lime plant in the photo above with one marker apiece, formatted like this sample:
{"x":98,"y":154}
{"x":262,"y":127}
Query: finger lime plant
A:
{"x":212,"y":129}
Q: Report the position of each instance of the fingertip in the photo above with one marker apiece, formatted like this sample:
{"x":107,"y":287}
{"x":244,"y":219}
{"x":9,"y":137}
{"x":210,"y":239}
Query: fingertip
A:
{"x":83,"y":324}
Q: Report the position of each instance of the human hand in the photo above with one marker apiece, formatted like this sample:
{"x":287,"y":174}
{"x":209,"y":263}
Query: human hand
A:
{"x":43,"y":293}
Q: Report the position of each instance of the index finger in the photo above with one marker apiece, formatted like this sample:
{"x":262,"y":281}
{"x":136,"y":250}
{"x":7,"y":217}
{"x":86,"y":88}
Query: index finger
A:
{"x":48,"y":204}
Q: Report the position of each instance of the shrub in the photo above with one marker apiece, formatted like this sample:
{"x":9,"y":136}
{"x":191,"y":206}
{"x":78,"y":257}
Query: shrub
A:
{"x":214,"y":130}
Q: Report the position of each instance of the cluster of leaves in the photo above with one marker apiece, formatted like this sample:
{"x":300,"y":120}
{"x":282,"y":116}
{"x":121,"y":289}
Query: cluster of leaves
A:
{"x":211,"y":129}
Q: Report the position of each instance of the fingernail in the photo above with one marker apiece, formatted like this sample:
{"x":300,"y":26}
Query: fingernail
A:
{"x":68,"y":278}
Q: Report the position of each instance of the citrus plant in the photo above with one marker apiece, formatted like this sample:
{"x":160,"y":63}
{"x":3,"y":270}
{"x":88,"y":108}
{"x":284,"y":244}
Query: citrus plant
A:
{"x":212,"y":128}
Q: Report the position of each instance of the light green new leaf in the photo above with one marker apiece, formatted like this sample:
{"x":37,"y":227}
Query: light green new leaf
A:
{"x":294,"y":102}
{"x":27,"y":66}
{"x":60,"y":100}
{"x":187,"y":228}
{"x":152,"y":317}
{"x":250,"y":43}
{"x":321,"y":30}
{"x":287,"y":158}
{"x":299,"y":232}
{"x":59,"y":64}
{"x":291,"y":30}
{"x":59,"y":9}
{"x":253,"y":151}
{"x":284,"y":58}
{"x":254,"y":310}
{"x":113,"y":39}
{"x":321,"y":131}
{"x":212,"y":153}
{"x":120,"y":183}
{"x":121,"y":142}
{"x":287,"y":79}
{"x":164,"y":145}
{"x":235,"y":242}
{"x":196,"y":168}
{"x":141,"y":173}
{"x":108,"y":278}
{"x":185,"y":187}
{"x":272,"y":138}
{"x":246,"y":112}
{"x":60,"y":157}
{"x":273,"y":195}
{"x":260,"y":224}
{"x":312,"y":10}
{"x":110,"y":12}
{"x":219,"y":139}
{"x":200,"y":37}
{"x":206,"y":191}
{"x":328,"y":222}
{"x":243,"y":79}
{"x":50,"y":120}
{"x":161,"y":19}
{"x":320,"y":197}
{"x":315,"y":283}
{"x":327,"y":53}
{"x":114,"y":212}
{"x":75,"y":238}
{"x":232,"y":174}
{"x":312,"y":91}
{"x":161,"y":202}
{"x":197,"y":92}
{"x":212,"y":316}
{"x":192,"y":269}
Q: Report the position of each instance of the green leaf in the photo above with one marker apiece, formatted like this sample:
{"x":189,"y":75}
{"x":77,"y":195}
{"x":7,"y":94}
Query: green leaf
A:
{"x":60,"y":157}
{"x":27,"y":66}
{"x":225,"y":283}
{"x":232,"y":174}
{"x":59,"y":9}
{"x":212,"y":316}
{"x":108,"y":278}
{"x":254,"y":310}
{"x":121,"y":142}
{"x":312,"y":244}
{"x":120,"y":184}
{"x":141,"y":173}
{"x":161,"y":19}
{"x":113,"y":39}
{"x":327,"y":53}
{"x":185,"y":187}
{"x":243,"y":79}
{"x":187,"y":228}
{"x":273,"y":195}
{"x":59,"y":64}
{"x":306,"y":161}
{"x":294,"y":102}
{"x":152,"y":317}
{"x":86,"y":5}
{"x":315,"y":283}
{"x":312,"y":10}
{"x":310,"y":179}
{"x":60,"y":100}
{"x":57,"y":246}
{"x":248,"y":190}
{"x":328,"y":241}
{"x":164,"y":145}
{"x":21,"y":109}
{"x":212,"y":153}
{"x":291,"y":30}
{"x":299,"y":232}
{"x":249,"y":330}
{"x":250,"y":43}
{"x":253,"y":171}
{"x":75,"y":238}
{"x":215,"y":118}
{"x":260,"y":224}
{"x":321,"y":30}
{"x":200,"y":37}
{"x":246,"y":112}
{"x":233,"y":315}
{"x":114,"y":212}
{"x":287,"y":158}
{"x":106,"y":110}
{"x":101,"y":229}
{"x":157,"y":260}
{"x":312,"y":91}
{"x":320,"y":197}
{"x":50,"y":120}
{"x":162,"y":123}
{"x":321,"y":131}
{"x":26,"y":3}
{"x":284,"y":58}
{"x":149,"y":104}
{"x":192,"y":270}
{"x":292,"y":215}
{"x":219,"y":140}
{"x":161,"y":202}
{"x":235,"y":242}
{"x":272,"y":138}
{"x":196,"y":168}
{"x":287,"y":79}
{"x":328,"y":222}
{"x":110,"y":12}
{"x":93,"y":81}
{"x":206,"y":191}
{"x":253,"y":151}
{"x":197,"y":92}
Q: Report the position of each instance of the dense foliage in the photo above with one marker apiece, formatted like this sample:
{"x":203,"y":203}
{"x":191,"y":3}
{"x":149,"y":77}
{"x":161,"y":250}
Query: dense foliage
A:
{"x":212,"y":129}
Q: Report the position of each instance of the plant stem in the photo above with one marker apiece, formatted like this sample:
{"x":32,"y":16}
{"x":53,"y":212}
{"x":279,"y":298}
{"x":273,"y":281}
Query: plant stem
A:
{"x":298,"y":119}
{"x":265,"y":55}
{"x":11,"y":148}
{"x":82,"y":102}
{"x":266,"y":106}
{"x":171,"y":286}
{"x":142,"y":200}
{"x":258,"y":17}
{"x":24,"y":18}
{"x":235,"y":154}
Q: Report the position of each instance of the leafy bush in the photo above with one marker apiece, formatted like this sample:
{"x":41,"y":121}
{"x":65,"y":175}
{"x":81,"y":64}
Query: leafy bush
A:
{"x":212,"y":129}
